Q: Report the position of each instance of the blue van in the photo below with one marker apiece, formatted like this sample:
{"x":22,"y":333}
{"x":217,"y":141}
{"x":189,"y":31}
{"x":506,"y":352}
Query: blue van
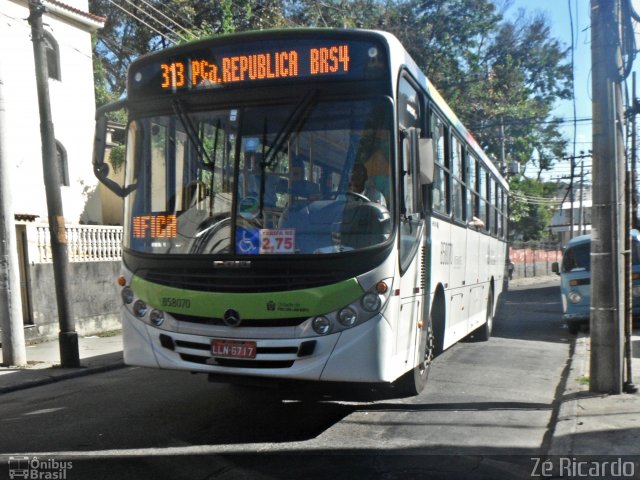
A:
{"x":575,"y":280}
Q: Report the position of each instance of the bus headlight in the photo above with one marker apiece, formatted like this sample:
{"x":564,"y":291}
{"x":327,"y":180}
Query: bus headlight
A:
{"x":360,"y":310}
{"x":127,"y":295}
{"x":636,"y":290}
{"x":140,"y":308}
{"x":574,"y":297}
{"x":156,"y":317}
{"x":321,"y":325}
{"x":347,"y":317}
{"x":371,"y":302}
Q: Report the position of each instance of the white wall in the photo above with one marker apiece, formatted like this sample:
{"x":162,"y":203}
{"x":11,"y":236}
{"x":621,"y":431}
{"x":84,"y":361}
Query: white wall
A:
{"x":72,"y":107}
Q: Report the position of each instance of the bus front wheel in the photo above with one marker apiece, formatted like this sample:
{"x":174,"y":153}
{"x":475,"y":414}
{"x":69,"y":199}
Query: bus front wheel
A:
{"x":414,"y":381}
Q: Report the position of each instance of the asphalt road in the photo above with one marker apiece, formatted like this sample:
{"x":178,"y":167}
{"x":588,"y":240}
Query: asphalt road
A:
{"x":488,"y":409}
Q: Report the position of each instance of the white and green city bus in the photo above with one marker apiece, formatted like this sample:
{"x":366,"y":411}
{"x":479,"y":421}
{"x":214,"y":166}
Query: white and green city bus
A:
{"x":249,"y":248}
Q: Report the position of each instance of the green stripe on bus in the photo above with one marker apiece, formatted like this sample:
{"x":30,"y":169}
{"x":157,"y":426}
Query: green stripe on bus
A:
{"x":266,"y":305}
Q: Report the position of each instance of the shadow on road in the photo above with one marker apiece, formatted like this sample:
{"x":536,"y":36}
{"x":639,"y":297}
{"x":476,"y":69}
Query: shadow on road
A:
{"x":531,"y":313}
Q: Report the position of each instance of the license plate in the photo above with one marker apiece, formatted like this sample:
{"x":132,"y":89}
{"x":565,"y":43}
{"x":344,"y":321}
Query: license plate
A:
{"x":233,"y":349}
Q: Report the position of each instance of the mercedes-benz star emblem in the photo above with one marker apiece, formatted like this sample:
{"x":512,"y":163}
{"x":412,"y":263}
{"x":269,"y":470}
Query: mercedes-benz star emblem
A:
{"x":232,"y":318}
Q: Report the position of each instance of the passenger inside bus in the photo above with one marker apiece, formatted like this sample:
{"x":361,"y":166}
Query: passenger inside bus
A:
{"x":250,"y":186}
{"x":300,"y":187}
{"x":309,"y":236}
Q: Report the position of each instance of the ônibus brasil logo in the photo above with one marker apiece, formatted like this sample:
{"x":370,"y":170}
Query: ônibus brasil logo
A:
{"x":38,"y":469}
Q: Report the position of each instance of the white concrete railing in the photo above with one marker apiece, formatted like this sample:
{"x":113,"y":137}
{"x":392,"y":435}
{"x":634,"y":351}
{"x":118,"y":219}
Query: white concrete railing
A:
{"x":85,"y":243}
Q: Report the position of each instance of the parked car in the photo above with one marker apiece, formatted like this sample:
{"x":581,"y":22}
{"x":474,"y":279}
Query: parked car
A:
{"x":575,"y":280}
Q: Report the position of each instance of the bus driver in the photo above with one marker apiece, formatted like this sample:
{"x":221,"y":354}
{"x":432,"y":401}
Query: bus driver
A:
{"x":358,"y":184}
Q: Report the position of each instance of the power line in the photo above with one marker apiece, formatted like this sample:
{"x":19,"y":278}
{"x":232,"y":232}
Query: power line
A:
{"x":531,"y":121}
{"x":165,"y":16}
{"x":156,"y":20}
{"x":177,"y":15}
{"x":142,"y":21}
{"x":573,"y":88}
{"x":540,"y":201}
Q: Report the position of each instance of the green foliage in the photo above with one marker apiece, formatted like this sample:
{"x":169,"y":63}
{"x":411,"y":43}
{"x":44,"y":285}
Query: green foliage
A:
{"x":125,"y":38}
{"x":116,"y":157}
{"x":528,"y":220}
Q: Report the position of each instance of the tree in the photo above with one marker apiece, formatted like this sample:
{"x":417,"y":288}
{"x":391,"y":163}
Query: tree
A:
{"x":136,"y":28}
{"x":501,"y":77}
{"x":530,"y":208}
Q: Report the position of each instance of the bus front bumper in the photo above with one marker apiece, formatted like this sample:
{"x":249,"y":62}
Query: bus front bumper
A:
{"x":359,"y":354}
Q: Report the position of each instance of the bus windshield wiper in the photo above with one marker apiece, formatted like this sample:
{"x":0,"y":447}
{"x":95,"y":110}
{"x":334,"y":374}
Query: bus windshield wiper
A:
{"x":293,"y":123}
{"x":192,"y":133}
{"x":295,"y":119}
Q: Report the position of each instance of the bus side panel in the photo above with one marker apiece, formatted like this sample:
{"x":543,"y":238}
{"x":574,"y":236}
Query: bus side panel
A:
{"x":457,"y":312}
{"x":439,"y":270}
{"x":488,"y":260}
{"x":500,"y":254}
{"x":475,"y":304}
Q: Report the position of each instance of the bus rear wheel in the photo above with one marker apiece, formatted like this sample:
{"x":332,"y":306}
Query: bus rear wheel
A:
{"x":414,"y":381}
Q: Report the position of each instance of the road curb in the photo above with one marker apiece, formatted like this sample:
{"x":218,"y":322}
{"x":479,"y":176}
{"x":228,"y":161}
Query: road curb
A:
{"x":566,"y":427}
{"x":59,"y":377}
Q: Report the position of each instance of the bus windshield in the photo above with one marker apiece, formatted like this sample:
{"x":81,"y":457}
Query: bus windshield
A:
{"x":305,"y":177}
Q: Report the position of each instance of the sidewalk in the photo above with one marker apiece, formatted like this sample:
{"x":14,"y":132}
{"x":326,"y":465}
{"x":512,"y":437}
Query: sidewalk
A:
{"x":592,"y":423}
{"x":97,"y":354}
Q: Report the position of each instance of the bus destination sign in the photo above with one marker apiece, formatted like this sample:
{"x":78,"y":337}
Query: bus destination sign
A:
{"x":260,"y":66}
{"x":215,"y":67}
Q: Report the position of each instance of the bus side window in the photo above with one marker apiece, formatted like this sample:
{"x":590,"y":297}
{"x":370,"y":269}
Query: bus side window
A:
{"x":472,"y":191}
{"x":440,"y":190}
{"x":457,"y":194}
{"x":482,"y":193}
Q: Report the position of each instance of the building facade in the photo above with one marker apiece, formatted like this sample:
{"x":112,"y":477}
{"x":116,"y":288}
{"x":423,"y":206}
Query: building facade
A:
{"x":93,"y":249}
{"x":576,"y":216}
{"x":68,"y":27}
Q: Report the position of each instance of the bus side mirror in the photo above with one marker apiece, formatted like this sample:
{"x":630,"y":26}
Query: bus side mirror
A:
{"x":100,"y":167}
{"x":426,"y":160}
{"x":555,"y":268}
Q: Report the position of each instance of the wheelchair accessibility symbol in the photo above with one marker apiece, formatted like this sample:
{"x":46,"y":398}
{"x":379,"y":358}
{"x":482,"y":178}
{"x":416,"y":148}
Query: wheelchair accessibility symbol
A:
{"x":248,"y":241}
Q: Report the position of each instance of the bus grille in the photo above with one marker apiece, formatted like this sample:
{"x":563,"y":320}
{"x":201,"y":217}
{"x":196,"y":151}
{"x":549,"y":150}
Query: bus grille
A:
{"x":226,"y":362}
{"x":283,"y":356}
{"x":271,"y":322}
{"x":247,"y":282}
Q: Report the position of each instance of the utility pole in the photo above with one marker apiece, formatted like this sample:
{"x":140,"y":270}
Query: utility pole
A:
{"x":580,"y":201}
{"x":571,"y":196}
{"x":13,"y":346}
{"x":635,"y":110}
{"x":629,"y":386}
{"x":68,"y":337}
{"x":607,"y":258}
{"x":570,"y":191}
